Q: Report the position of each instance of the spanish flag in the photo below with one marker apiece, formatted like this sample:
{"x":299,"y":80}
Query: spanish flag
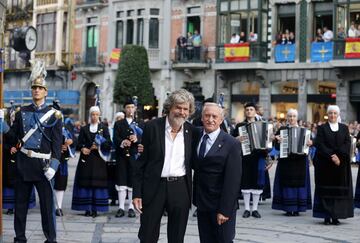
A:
{"x":237,"y":52}
{"x":352,"y":48}
{"x":115,"y":55}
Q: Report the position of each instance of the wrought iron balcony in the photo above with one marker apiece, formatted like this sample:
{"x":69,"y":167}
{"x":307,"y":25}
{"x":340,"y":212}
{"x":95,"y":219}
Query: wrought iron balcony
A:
{"x":256,"y":52}
{"x":89,"y":62}
{"x":193,"y":58}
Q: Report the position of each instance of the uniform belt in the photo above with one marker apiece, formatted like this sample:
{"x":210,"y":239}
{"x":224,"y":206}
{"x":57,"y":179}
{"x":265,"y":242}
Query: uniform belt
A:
{"x":32,"y":154}
{"x":173,"y":178}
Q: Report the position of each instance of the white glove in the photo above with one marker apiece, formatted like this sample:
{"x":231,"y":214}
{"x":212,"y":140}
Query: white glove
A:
{"x":2,"y":114}
{"x":50,"y":173}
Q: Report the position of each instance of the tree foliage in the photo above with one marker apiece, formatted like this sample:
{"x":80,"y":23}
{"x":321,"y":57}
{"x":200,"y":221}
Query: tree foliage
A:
{"x":133,"y":76}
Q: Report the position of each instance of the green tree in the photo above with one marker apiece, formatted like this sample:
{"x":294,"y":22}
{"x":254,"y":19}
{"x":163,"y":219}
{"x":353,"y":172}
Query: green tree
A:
{"x":133,"y":76}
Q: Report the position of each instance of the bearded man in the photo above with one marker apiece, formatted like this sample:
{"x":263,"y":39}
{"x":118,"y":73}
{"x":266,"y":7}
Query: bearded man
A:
{"x":162,"y":175}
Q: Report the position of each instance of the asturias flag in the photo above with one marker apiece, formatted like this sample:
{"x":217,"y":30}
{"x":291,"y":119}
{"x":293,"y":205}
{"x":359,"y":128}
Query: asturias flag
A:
{"x":115,"y":55}
{"x":322,"y":51}
{"x":352,"y":48}
{"x":237,"y":52}
{"x":285,"y":53}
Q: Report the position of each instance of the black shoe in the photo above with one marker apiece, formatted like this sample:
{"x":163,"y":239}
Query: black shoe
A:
{"x":165,"y":214}
{"x":120,"y":213}
{"x":94,"y":214}
{"x":10,"y":211}
{"x":246,"y":214}
{"x":327,"y":221}
{"x":255,"y":214}
{"x":335,"y":222}
{"x":131,"y":213}
{"x":296,"y":214}
{"x":288,"y":214}
{"x":195,"y":213}
{"x":59,"y":212}
{"x":87,"y":213}
{"x":113,"y":202}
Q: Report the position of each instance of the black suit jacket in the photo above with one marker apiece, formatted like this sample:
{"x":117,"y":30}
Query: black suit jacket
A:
{"x":148,"y":168}
{"x":121,"y":132}
{"x":217,"y":177}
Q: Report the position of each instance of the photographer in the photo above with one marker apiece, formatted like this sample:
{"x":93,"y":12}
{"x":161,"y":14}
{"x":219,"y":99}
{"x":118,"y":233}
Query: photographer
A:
{"x":126,"y":137}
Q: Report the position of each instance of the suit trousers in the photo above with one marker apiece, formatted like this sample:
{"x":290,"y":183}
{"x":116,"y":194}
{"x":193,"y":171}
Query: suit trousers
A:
{"x":22,"y":196}
{"x":173,"y":197}
{"x":211,"y":232}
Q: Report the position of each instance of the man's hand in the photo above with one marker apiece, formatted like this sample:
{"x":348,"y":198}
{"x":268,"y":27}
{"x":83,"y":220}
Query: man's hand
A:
{"x":335,"y":159}
{"x":140,"y":148}
{"x":137,"y":202}
{"x":63,"y":148}
{"x":125,"y":143}
{"x":221,"y":219}
{"x":133,"y":138}
{"x":309,"y":143}
{"x":50,"y":173}
{"x":68,"y":142}
{"x":85,"y":151}
{"x":13,"y":150}
{"x":93,"y":147}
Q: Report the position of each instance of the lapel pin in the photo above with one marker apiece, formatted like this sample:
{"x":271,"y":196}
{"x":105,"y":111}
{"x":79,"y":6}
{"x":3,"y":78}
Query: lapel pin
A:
{"x":219,"y":145}
{"x":186,"y":131}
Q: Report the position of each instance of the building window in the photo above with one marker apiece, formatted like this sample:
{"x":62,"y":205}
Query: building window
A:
{"x":46,"y":28}
{"x":91,"y":44}
{"x":141,"y":12}
{"x":119,"y":34}
{"x":154,"y":33}
{"x":129,"y":31}
{"x":194,"y":10}
{"x":64,"y":39}
{"x":119,"y":14}
{"x":140,"y":32}
{"x":154,"y":11}
{"x":246,"y":18}
{"x":130,"y":13}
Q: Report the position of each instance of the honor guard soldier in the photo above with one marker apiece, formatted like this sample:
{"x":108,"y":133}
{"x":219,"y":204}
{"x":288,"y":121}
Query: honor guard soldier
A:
{"x":37,"y":137}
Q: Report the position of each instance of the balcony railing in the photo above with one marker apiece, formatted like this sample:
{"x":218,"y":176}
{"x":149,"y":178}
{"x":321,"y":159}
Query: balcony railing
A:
{"x":49,"y":57}
{"x":191,"y":55}
{"x":84,"y":2}
{"x":244,"y":52}
{"x":89,"y":62}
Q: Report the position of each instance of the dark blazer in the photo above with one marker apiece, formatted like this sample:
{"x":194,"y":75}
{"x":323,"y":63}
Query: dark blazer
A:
{"x":217,"y":177}
{"x":147,"y":170}
{"x":121,"y":132}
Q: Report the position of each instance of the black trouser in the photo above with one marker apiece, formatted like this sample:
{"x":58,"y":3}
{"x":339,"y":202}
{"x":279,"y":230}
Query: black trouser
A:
{"x":22,"y":196}
{"x":211,"y":232}
{"x":174,"y":197}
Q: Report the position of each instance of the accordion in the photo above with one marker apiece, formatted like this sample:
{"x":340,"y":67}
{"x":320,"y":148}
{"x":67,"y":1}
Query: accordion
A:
{"x":294,"y":141}
{"x":257,"y":136}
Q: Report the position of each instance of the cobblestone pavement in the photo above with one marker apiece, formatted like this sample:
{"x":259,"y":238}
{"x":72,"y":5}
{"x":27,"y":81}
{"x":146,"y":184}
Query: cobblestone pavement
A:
{"x":272,"y":227}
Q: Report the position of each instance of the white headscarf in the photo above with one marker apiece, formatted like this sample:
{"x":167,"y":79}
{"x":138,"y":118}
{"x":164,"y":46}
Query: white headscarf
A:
{"x":93,"y":127}
{"x":334,"y":126}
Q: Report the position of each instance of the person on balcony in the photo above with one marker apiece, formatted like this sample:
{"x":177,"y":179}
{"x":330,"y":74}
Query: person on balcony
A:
{"x":197,"y":42}
{"x":352,"y":31}
{"x":282,"y":40}
{"x":341,"y":33}
{"x":235,"y":38}
{"x":328,"y":35}
{"x":181,"y":47}
{"x":291,"y":39}
{"x":319,"y":35}
{"x":253,"y":37}
{"x":189,"y":46}
{"x":242,"y":37}
{"x":357,"y":32}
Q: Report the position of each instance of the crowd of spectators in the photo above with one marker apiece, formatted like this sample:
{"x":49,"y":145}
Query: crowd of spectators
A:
{"x":189,"y":47}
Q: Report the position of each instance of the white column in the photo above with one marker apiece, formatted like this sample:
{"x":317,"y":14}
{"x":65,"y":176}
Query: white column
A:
{"x":59,"y":33}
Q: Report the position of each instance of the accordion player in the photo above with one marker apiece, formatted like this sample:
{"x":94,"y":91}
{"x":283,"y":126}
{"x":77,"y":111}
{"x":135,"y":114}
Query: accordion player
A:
{"x":257,"y":136}
{"x":294,"y":141}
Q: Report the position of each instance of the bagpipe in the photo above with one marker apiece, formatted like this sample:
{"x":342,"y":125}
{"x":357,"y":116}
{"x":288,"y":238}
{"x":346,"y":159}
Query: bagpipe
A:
{"x":134,"y":128}
{"x":99,"y":138}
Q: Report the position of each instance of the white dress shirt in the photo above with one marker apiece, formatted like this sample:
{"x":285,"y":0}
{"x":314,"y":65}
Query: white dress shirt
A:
{"x":328,"y":36}
{"x":210,"y":141}
{"x":174,"y":163}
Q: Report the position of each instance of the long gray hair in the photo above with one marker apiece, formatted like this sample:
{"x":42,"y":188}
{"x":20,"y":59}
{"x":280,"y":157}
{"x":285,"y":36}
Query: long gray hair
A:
{"x":180,"y":96}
